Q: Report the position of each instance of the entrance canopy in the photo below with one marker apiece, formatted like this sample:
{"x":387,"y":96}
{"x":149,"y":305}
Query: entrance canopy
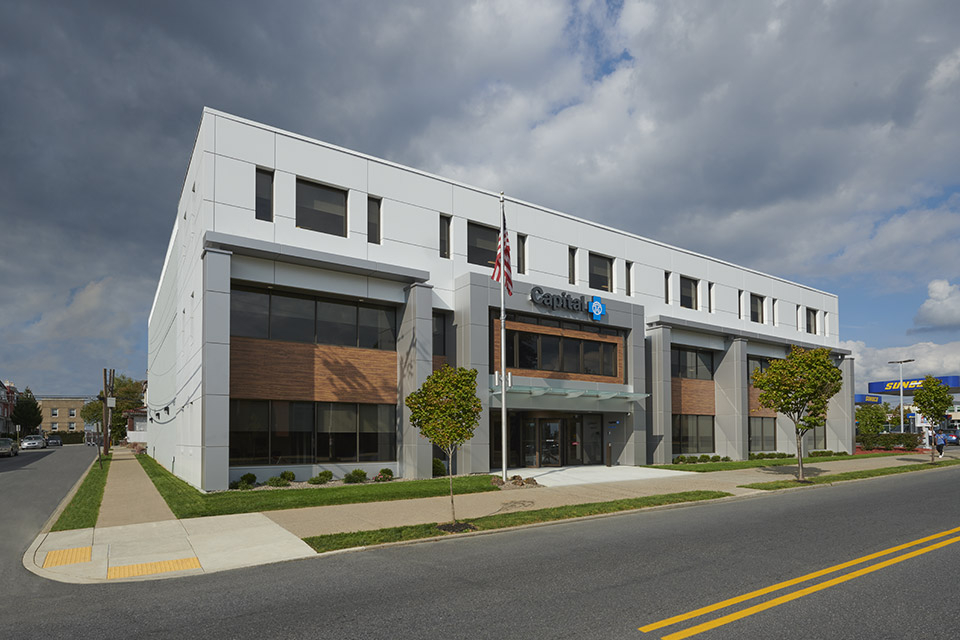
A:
{"x":587,"y":394}
{"x":892,"y":387}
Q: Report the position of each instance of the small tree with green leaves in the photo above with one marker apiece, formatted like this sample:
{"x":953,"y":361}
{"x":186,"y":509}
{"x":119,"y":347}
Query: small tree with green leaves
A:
{"x":446,"y":410}
{"x":26,"y":412}
{"x":799,"y":386}
{"x":932,"y":400}
{"x":129,"y":394}
{"x":872,"y":418}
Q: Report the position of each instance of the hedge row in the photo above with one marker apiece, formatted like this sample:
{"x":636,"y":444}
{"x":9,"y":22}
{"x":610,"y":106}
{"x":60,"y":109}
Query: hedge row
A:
{"x":889,"y":441}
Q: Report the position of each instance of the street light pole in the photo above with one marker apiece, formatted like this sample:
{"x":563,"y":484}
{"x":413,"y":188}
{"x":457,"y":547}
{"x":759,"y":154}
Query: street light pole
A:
{"x":901,"y":363}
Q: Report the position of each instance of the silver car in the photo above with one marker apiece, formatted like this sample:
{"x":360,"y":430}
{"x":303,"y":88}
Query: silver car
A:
{"x":33,"y":442}
{"x":8,"y":447}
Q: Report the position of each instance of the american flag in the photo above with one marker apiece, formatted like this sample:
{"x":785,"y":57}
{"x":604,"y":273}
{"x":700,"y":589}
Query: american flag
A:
{"x":502,"y":265}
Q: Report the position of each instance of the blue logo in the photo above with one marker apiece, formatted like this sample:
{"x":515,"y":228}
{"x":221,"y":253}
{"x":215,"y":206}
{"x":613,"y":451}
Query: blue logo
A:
{"x":597,"y":308}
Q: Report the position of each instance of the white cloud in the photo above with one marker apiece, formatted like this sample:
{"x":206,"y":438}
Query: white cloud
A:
{"x":930,"y":358}
{"x":941,"y":310}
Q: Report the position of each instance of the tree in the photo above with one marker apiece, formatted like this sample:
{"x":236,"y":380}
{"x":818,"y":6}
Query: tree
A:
{"x":26,"y":412}
{"x":799,"y":386}
{"x":129,"y":395}
{"x":932,"y":400}
{"x":895,"y":418}
{"x":871,"y":418}
{"x":446,"y":410}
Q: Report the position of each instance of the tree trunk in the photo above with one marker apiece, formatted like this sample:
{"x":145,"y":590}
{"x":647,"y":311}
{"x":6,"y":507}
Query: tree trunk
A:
{"x":932,"y":445}
{"x":453,"y":511}
{"x":800,"y":456}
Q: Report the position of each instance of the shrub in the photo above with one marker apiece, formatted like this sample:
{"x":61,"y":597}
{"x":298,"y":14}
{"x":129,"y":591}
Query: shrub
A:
{"x":821,"y":454}
{"x":234,"y":485}
{"x":289,"y":476}
{"x":277,"y":481}
{"x":725,"y":459}
{"x":356,"y":476}
{"x":888,"y":441}
{"x":439,"y":469}
{"x":691,"y":460}
{"x":714,"y":458}
{"x":679,"y":459}
{"x":322,"y":478}
{"x":705,"y":458}
{"x":249,"y":478}
{"x":385,"y":475}
{"x":244,"y":486}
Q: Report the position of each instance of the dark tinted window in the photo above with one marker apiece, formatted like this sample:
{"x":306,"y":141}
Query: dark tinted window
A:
{"x":601,"y":272}
{"x":571,"y":355}
{"x":373,"y":220}
{"x":521,"y":253}
{"x":337,"y":323}
{"x":249,"y":432}
{"x":377,"y":328}
{"x":527,"y":350}
{"x":609,"y":351}
{"x":550,"y":353}
{"x":591,"y":358}
{"x":291,"y":432}
{"x":439,"y":335}
{"x":811,"y":320}
{"x":378,"y":432}
{"x":264,"y":206}
{"x":249,"y":314}
{"x":337,"y":433}
{"x":572,"y":265}
{"x":481,"y":244}
{"x":321,"y":208}
{"x":444,"y":236}
{"x":756,"y":308}
{"x":688,"y":293}
{"x":292,"y":318}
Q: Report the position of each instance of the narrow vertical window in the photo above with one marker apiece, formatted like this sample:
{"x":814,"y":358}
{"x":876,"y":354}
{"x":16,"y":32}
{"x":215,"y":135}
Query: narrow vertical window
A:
{"x":628,"y":282}
{"x":775,"y":313}
{"x":756,"y":308}
{"x":373,"y":220}
{"x":444,"y":236}
{"x":688,"y":293}
{"x":572,"y":265}
{"x":712,"y":297}
{"x":264,"y":206}
{"x":666,"y":286}
{"x":601,"y":272}
{"x":811,"y":320}
{"x":826,"y":323}
{"x":521,"y":253}
{"x":740,"y":302}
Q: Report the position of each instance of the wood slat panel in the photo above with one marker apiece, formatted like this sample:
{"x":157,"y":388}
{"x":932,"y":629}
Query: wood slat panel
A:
{"x":755,"y":410}
{"x":693,"y":397}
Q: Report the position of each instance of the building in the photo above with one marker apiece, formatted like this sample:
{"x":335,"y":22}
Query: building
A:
{"x":8,"y":400}
{"x":61,"y":414}
{"x":307,"y":289}
{"x":136,"y":425}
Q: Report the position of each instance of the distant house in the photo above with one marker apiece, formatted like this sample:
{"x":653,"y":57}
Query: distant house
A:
{"x":61,"y":414}
{"x":136,"y":424}
{"x":8,"y":400}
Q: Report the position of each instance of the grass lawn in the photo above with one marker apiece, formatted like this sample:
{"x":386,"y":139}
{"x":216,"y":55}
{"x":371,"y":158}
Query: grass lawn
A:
{"x":769,"y":462}
{"x":850,"y":475}
{"x":187,"y":502}
{"x":335,"y":541}
{"x":83,"y":510}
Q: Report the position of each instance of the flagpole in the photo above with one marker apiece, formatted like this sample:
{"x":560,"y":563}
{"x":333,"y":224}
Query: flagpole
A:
{"x":503,"y":343}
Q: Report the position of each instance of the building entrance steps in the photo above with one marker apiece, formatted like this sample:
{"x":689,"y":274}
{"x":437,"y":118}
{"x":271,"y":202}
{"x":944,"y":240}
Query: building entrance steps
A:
{"x":129,"y":496}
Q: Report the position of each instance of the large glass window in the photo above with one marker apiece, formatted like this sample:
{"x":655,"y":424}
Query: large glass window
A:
{"x":377,"y":328}
{"x":811,"y":320}
{"x":378,"y":432}
{"x":321,"y":208}
{"x":545,"y":352}
{"x":756,"y":308}
{"x":249,"y":313}
{"x":482,"y":244}
{"x":337,"y":323}
{"x":691,"y":363}
{"x":337,"y":432}
{"x":692,"y":434}
{"x":549,"y":353}
{"x":373,"y":220}
{"x":527,"y":347}
{"x":292,"y":318}
{"x":819,"y":437}
{"x":601,"y":272}
{"x":763,"y":434}
{"x":444,"y":236}
{"x":753,"y":364}
{"x":249,"y":432}
{"x":291,"y":432}
{"x":688,"y":293}
{"x":439,"y":334}
{"x":264,"y":205}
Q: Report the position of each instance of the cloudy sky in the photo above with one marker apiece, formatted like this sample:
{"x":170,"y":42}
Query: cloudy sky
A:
{"x":817,"y":141}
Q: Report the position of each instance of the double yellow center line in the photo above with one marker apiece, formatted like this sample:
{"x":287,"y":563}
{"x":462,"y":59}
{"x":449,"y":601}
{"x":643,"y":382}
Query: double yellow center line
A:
{"x":718,"y":622}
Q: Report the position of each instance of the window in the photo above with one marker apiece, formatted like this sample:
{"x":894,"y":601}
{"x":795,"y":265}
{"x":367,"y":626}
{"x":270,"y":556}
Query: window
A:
{"x":692,"y":434}
{"x":291,"y":432}
{"x":740,"y":304}
{"x":688,"y":292}
{"x":264,"y":203}
{"x":439,"y":335}
{"x":811,"y":320}
{"x":482,"y":244}
{"x":521,"y":253}
{"x":544,"y":352}
{"x":601,"y":272}
{"x":820,"y":437}
{"x":712,"y":297}
{"x":54,"y":413}
{"x":373,"y":220}
{"x":375,"y":327}
{"x":756,"y":308}
{"x":572,"y":265}
{"x":249,"y":313}
{"x":72,"y":413}
{"x":321,"y":208}
{"x":444,"y":236}
{"x":54,"y":426}
{"x":249,"y":432}
{"x":763,"y":434}
{"x":691,"y":363}
{"x":72,"y":426}
{"x":754,"y":363}
{"x":337,"y":432}
{"x":378,"y":432}
{"x":666,"y":287}
{"x":292,"y":318}
{"x":776,"y":314}
{"x":628,"y":280}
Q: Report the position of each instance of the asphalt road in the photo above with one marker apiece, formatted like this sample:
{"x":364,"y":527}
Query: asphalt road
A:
{"x":600,"y":578}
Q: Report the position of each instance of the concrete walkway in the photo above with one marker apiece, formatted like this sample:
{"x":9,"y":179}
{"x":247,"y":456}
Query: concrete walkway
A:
{"x":137,"y":537}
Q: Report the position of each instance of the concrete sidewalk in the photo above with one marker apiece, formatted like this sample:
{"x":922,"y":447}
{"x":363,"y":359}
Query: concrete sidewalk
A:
{"x":138,"y":538}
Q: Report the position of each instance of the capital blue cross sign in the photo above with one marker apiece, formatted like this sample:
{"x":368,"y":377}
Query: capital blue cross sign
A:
{"x":597,"y":308}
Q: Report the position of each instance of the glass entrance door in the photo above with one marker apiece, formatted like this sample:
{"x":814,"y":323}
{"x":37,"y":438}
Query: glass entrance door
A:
{"x":550,"y":429}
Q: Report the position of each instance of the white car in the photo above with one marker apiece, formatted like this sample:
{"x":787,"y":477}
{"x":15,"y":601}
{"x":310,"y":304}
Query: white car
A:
{"x":33,"y":442}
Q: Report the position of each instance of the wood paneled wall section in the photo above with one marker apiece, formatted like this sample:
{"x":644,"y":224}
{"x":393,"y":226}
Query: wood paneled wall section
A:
{"x":693,"y":397}
{"x":755,"y":410}
{"x":556,"y":331}
{"x":274,"y":370}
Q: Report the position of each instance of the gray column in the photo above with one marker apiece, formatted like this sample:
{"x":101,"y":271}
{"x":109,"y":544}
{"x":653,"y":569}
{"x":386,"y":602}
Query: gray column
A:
{"x":732,"y":401}
{"x":215,"y":376}
{"x":660,"y":402}
{"x":635,"y":424}
{"x":841,"y":412}
{"x":471,"y":318}
{"x":415,"y":363}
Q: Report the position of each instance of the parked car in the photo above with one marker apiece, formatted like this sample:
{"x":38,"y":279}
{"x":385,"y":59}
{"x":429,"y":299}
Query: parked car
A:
{"x":952,"y":436}
{"x":33,"y":442}
{"x":8,"y":447}
{"x":54,"y":441}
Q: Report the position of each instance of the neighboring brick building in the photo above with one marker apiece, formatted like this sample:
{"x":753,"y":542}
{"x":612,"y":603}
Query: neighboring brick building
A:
{"x":61,"y":414}
{"x":8,"y":400}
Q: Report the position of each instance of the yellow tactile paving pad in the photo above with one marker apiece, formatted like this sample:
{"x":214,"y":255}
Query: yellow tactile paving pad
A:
{"x":60,"y":557}
{"x":149,"y":568}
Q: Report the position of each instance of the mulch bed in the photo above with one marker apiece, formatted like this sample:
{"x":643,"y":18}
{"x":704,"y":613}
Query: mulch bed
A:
{"x":456,"y":527}
{"x":894,"y":450}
